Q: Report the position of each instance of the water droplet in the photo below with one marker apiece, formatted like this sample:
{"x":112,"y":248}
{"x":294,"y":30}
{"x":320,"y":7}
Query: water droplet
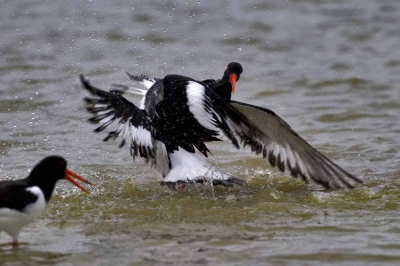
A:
{"x":224,"y":36}
{"x":240,"y":48}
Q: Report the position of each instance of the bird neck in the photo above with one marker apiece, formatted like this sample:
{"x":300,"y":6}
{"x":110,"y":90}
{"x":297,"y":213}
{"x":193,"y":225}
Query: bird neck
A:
{"x":224,"y":90}
{"x":225,"y":77}
{"x":47,"y":187}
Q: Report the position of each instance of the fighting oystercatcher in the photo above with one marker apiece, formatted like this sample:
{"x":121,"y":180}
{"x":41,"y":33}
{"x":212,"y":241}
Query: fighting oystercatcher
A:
{"x":21,"y":201}
{"x":178,"y":115}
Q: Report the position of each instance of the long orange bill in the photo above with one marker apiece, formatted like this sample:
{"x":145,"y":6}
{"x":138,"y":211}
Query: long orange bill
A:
{"x":69,"y":175}
{"x":233,"y":78}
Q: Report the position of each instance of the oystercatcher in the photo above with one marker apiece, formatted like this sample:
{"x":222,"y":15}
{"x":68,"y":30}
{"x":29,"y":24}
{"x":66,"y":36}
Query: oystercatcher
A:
{"x":178,"y":115}
{"x":21,"y":201}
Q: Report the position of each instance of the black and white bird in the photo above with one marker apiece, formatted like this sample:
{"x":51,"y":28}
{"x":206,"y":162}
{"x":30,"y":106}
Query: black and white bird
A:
{"x":21,"y":201}
{"x":178,"y":115}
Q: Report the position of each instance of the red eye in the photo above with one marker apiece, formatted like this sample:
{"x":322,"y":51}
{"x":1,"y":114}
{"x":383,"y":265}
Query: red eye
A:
{"x":62,"y":163}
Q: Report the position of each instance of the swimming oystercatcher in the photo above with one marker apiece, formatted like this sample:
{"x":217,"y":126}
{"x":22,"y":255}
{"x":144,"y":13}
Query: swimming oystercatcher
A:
{"x":21,"y":201}
{"x":178,"y":115}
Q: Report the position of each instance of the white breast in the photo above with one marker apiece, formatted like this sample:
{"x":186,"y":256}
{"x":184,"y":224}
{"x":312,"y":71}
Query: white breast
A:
{"x":187,"y":166}
{"x":35,"y":209}
{"x":12,"y":221}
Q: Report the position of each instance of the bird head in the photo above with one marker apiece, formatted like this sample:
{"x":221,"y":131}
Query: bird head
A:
{"x":232,"y":73}
{"x":53,"y":168}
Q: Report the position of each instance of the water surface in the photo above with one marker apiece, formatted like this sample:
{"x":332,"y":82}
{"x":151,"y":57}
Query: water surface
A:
{"x":330,"y":68}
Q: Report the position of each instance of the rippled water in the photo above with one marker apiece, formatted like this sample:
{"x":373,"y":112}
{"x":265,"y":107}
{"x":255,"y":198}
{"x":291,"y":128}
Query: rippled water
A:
{"x":330,"y":68}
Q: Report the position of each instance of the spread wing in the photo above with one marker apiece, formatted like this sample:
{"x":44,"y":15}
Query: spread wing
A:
{"x":123,"y":118}
{"x":284,"y":148}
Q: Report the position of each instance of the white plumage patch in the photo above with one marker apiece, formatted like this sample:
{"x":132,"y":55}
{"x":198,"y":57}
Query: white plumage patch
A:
{"x":143,"y":80}
{"x":288,"y":157}
{"x":137,"y":91}
{"x":142,"y":136}
{"x":100,"y":105}
{"x":187,"y":166}
{"x":291,"y":158}
{"x":36,"y":209}
{"x":12,"y":221}
{"x":301,"y":164}
{"x":147,"y":83}
{"x":197,"y":103}
{"x":125,"y":130}
{"x":141,"y":102}
{"x":106,"y":119}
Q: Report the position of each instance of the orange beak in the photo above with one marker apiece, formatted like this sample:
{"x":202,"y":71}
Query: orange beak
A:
{"x":69,"y":175}
{"x":233,"y":78}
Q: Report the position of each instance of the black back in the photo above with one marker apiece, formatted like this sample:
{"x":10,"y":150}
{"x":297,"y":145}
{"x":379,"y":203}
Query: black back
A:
{"x":176,"y":125}
{"x":13,"y":194}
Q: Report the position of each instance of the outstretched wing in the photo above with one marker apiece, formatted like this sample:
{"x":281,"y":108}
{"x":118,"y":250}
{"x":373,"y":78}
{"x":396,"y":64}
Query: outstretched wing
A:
{"x":113,"y":111}
{"x":261,"y":129}
{"x":152,"y":91}
{"x":284,"y":148}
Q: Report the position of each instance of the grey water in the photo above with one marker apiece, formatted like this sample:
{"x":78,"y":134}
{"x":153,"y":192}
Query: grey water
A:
{"x":329,"y":68}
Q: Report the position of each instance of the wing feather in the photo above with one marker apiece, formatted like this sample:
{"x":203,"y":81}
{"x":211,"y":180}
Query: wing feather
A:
{"x":288,"y":150}
{"x":129,"y":121}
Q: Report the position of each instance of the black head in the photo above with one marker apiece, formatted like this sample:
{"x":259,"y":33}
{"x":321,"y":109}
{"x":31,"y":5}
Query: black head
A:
{"x":51,"y":169}
{"x":234,"y":68}
{"x":232,"y":73}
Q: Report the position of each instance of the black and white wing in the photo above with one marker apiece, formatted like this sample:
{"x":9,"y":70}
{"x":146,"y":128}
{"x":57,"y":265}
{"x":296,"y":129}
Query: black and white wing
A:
{"x":275,"y":139}
{"x":15,"y":196}
{"x":151,"y":90}
{"x":145,"y":82}
{"x":284,"y":148}
{"x":123,"y":118}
